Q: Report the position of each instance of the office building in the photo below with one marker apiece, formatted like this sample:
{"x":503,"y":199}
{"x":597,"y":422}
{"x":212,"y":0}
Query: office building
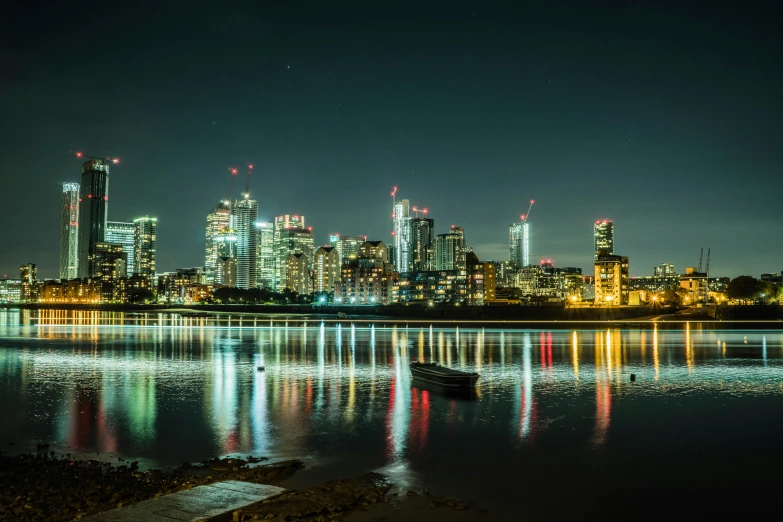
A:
{"x":290,"y":237}
{"x":10,"y":290}
{"x":28,"y":275}
{"x":226,"y":265}
{"x":368,"y":279}
{"x":122,"y":233}
{"x":145,"y":231}
{"x":664,"y":270}
{"x":69,"y":232}
{"x":218,"y":220}
{"x":450,"y":250}
{"x":603,"y":236}
{"x":519,"y":244}
{"x":611,"y":278}
{"x":326,"y":269}
{"x":94,"y":201}
{"x":110,"y":266}
{"x":347,"y":246}
{"x":422,"y":245}
{"x":297,"y":274}
{"x":695,"y":283}
{"x":265,"y":255}
{"x":245,"y":219}
{"x":402,"y":236}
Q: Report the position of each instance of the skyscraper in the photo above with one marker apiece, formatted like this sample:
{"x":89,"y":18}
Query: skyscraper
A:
{"x":217,"y":220}
{"x":69,"y":232}
{"x":123,"y":234}
{"x":422,"y":244}
{"x":94,"y":202}
{"x":347,"y":246}
{"x":519,"y":244}
{"x":603,"y":235}
{"x":450,"y":250}
{"x":109,"y":265}
{"x":245,"y":218}
{"x":28,"y":277}
{"x":145,"y":245}
{"x":282,"y":241}
{"x":402,"y":236}
{"x":265,"y":255}
{"x":297,"y":274}
{"x":226,"y":263}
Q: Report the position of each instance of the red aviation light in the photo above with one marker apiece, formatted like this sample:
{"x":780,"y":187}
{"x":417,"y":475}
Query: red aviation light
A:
{"x":90,"y":196}
{"x":79,"y":154}
{"x":115,"y":160}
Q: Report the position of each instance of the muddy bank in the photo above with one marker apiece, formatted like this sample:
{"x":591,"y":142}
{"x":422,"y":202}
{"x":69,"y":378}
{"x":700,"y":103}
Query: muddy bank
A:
{"x":50,"y":487}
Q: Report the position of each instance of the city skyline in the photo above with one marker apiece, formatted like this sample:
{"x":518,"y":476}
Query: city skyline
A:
{"x":465,"y":117}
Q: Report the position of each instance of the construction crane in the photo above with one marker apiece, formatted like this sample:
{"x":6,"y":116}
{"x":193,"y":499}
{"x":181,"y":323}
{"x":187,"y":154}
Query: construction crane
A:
{"x":81,"y":155}
{"x":701,"y":254}
{"x":417,"y":210}
{"x":524,"y":217}
{"x":233,"y":174}
{"x":247,"y":186}
{"x":394,"y":207}
{"x":707,"y":282}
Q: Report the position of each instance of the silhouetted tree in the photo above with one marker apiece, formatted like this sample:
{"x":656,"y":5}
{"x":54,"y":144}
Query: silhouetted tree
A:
{"x":744,"y":288}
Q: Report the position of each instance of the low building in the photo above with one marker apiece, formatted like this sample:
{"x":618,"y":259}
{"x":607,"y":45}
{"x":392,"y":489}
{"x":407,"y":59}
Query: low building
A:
{"x":432,"y":286}
{"x":695,"y":283}
{"x":611,"y":279}
{"x":297,"y":274}
{"x":367,"y":279}
{"x":326,"y":269}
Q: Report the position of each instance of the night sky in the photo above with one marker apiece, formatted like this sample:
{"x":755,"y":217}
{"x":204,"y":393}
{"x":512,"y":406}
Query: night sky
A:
{"x":663,"y":118}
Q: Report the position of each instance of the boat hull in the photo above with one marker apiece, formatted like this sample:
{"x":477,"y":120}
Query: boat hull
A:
{"x":443,"y":377}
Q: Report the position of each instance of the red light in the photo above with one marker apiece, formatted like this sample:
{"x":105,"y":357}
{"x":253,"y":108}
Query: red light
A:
{"x":115,"y":160}
{"x":233,"y":172}
{"x":310,"y":228}
{"x":522,"y":217}
{"x":105,"y":198}
{"x":90,"y":196}
{"x":424,"y":211}
{"x":250,"y":166}
{"x":532,"y":201}
{"x":393,"y":233}
{"x":79,"y":154}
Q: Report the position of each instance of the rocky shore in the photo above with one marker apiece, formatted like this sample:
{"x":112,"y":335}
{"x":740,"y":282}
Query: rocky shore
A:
{"x":46,"y":486}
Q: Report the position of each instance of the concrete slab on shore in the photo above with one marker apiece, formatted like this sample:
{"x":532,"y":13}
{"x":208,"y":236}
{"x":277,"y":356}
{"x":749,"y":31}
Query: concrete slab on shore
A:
{"x":199,"y":503}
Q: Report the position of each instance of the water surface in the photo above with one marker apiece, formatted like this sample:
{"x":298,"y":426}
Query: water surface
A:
{"x":557,"y":425}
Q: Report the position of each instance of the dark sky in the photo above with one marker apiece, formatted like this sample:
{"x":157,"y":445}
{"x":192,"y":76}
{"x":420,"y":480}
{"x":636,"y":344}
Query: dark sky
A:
{"x":665,"y":118}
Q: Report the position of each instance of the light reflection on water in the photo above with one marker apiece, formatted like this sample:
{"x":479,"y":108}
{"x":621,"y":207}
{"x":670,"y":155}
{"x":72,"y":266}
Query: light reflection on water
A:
{"x":190,"y":391}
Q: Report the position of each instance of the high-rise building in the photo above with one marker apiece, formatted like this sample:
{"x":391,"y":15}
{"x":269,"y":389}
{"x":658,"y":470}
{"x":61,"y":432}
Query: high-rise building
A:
{"x":28,"y":276}
{"x":123,"y":233}
{"x":265,"y":255}
{"x":290,"y":237}
{"x":69,"y":232}
{"x":326,"y":269}
{"x":245,"y":218}
{"x":519,"y":244}
{"x":603,"y":236}
{"x":402,"y":236}
{"x":347,"y":246}
{"x":450,"y":250}
{"x":297,"y":274}
{"x":217,"y":220}
{"x":611,"y":279}
{"x":422,"y":244}
{"x":94,"y":202}
{"x":144,"y":246}
{"x":226,"y":263}
{"x":664,"y":270}
{"x":109,"y":263}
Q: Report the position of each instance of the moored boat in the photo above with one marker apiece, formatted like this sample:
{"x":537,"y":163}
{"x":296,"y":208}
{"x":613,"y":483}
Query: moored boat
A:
{"x":448,"y":378}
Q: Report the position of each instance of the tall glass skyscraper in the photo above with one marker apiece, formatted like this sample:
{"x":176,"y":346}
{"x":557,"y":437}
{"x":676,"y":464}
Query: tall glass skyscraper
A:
{"x":519,"y":244}
{"x":69,"y":232}
{"x":265,"y":255}
{"x":145,"y":245}
{"x":402,"y":236}
{"x":603,"y":234}
{"x":92,"y":214}
{"x":245,"y":218}
{"x":122,"y":233}
{"x":217,"y":220}
{"x":422,"y":244}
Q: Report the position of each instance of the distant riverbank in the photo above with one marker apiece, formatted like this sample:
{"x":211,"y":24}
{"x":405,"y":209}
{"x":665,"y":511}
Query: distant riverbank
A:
{"x":489,"y":316}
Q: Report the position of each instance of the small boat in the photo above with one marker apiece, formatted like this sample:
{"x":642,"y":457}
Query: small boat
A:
{"x":446,"y":378}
